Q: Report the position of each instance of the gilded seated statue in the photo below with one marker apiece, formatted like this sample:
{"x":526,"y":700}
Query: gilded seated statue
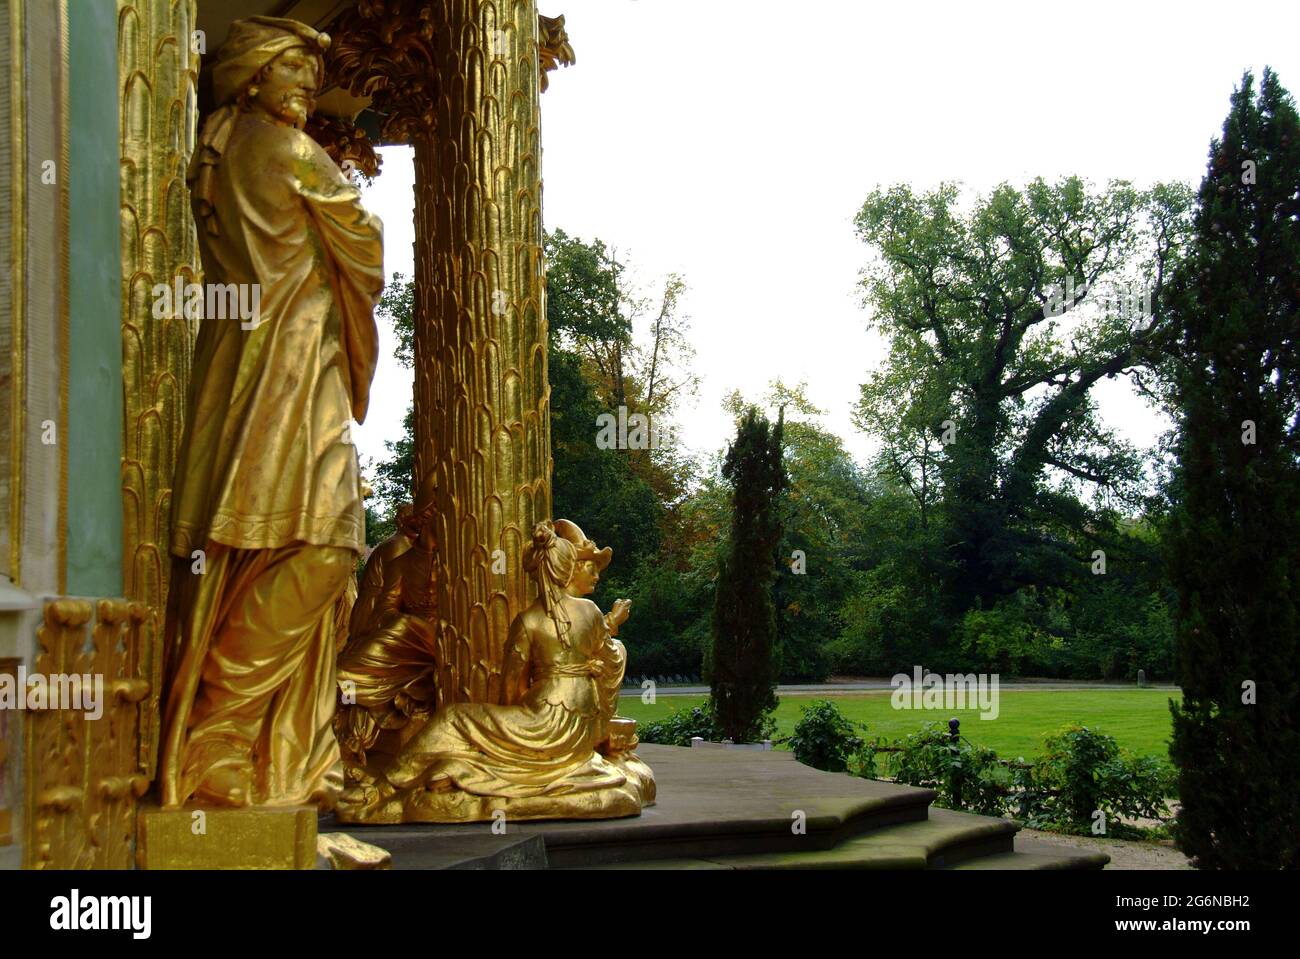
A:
{"x":385,"y":672}
{"x":554,"y":749}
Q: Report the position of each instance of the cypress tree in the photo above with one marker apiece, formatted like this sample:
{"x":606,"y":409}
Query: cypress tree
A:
{"x":1235,"y":529}
{"x":742,"y":667}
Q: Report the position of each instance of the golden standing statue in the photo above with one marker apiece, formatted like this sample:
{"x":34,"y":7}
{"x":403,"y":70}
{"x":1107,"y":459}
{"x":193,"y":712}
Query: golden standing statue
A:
{"x":554,"y":749}
{"x":267,"y":518}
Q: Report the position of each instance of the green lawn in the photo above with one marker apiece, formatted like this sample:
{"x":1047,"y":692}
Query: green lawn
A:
{"x":1138,"y":718}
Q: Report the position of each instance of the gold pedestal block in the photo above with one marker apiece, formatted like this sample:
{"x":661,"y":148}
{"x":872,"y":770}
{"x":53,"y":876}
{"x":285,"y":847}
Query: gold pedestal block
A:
{"x":253,"y":838}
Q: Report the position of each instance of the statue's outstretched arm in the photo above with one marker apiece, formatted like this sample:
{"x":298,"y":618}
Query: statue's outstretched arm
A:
{"x":617,"y":615}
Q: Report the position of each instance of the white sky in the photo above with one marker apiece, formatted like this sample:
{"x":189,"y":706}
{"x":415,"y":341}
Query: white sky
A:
{"x":733,"y":141}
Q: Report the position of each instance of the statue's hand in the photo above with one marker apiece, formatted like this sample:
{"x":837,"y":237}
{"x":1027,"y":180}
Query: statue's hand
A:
{"x":619,"y":613}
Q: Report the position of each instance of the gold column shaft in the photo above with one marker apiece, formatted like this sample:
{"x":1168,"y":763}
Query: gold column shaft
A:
{"x":482,"y":415}
{"x":158,"y":73}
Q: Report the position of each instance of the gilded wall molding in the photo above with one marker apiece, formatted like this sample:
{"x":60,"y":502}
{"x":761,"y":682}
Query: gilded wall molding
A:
{"x":65,"y":285}
{"x":10,"y":751}
{"x":35,"y":320}
{"x":17,"y":143}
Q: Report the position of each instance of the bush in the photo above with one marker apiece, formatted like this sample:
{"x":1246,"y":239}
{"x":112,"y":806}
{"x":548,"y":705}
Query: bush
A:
{"x":680,"y":728}
{"x":1084,"y":771}
{"x":1081,"y":772}
{"x":823,"y":738}
{"x":685,"y":724}
{"x":964,"y":775}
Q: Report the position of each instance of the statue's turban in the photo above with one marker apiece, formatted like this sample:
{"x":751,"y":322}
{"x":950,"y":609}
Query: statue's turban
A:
{"x":251,"y":45}
{"x":255,"y":42}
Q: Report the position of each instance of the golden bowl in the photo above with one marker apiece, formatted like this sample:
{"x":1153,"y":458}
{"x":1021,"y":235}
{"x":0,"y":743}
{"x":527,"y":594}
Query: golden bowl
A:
{"x":622,"y":734}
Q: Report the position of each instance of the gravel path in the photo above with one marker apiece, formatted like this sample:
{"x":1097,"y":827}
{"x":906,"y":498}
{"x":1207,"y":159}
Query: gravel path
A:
{"x":1124,"y":853}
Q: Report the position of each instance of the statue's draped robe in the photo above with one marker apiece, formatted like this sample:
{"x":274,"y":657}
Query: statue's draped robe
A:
{"x":267,"y":483}
{"x":386,"y":669}
{"x":539,"y":750}
{"x":371,"y":592}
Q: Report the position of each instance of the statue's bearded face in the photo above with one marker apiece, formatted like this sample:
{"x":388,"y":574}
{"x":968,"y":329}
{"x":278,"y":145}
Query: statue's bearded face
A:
{"x":286,"y":90}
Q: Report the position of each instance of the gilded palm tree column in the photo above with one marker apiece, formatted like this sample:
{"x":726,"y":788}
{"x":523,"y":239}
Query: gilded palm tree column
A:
{"x":482,"y":417}
{"x":158,"y":77}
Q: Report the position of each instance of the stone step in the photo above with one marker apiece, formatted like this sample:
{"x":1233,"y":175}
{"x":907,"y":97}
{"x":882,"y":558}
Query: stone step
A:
{"x":477,"y":852}
{"x":1035,"y":855}
{"x":711,"y":803}
{"x":725,"y":809}
{"x":943,"y":840}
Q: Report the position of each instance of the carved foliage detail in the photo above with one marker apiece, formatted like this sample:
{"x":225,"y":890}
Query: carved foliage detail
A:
{"x":387,"y":50}
{"x":383,"y":49}
{"x":553,"y":47}
{"x":82,"y":774}
{"x":345,"y":142}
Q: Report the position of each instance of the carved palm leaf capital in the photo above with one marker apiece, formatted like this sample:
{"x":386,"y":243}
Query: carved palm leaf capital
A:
{"x":553,"y":47}
{"x":384,"y":51}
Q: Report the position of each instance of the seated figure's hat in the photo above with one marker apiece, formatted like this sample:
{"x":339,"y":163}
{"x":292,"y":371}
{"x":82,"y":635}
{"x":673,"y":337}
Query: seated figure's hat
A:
{"x":585,"y":548}
{"x":426,"y":493}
